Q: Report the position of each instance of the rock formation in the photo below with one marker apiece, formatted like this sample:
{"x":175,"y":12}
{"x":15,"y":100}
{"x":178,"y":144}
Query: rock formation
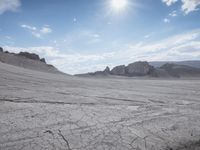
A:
{"x":139,"y":69}
{"x":119,"y":70}
{"x":29,"y":55}
{"x":143,"y":68}
{"x":32,"y":56}
{"x":1,"y":49}
{"x":134,"y":69}
{"x":107,"y":70}
{"x":43,"y":60}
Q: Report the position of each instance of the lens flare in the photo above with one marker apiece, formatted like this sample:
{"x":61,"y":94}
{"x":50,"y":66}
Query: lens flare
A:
{"x":118,"y":5}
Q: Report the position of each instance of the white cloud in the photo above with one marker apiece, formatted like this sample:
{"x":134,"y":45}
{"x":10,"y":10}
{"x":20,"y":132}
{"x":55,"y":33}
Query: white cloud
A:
{"x":187,"y":47}
{"x":93,"y":38}
{"x":9,"y":5}
{"x":169,"y":2}
{"x":89,"y":34}
{"x":166,"y":20}
{"x":46,"y":30}
{"x":147,"y":36}
{"x":83,"y":37}
{"x":190,"y":5}
{"x":42,"y":50}
{"x":29,"y":27}
{"x":179,"y":47}
{"x":187,"y":6}
{"x":173,"y":13}
{"x":96,"y":35}
{"x":37,"y":32}
{"x":169,"y":42}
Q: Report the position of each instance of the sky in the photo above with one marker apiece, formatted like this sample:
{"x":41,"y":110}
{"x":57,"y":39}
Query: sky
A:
{"x":79,"y":36}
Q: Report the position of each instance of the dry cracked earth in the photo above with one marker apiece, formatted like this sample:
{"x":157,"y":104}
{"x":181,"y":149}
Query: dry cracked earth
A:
{"x":43,"y":111}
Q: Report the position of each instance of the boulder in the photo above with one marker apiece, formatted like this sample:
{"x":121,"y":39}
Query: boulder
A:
{"x":29,"y":55}
{"x":139,"y":69}
{"x":119,"y":70}
{"x":1,"y":49}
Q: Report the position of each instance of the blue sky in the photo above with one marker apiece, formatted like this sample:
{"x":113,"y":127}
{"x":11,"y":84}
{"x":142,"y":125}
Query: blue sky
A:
{"x":86,"y":35}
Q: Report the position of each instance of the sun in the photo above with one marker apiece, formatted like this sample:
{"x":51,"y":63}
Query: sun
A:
{"x":118,"y":5}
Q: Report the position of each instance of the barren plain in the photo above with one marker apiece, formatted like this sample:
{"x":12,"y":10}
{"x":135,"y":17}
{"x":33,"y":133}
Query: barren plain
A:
{"x":45,"y":111}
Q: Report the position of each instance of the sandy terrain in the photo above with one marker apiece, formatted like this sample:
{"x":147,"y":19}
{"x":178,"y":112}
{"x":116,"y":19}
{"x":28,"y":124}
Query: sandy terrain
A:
{"x":43,"y":111}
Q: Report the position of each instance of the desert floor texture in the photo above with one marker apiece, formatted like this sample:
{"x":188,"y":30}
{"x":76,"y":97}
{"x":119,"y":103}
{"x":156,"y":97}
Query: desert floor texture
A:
{"x":43,"y":111}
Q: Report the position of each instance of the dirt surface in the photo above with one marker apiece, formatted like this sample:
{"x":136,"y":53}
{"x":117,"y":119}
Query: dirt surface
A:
{"x":43,"y":111}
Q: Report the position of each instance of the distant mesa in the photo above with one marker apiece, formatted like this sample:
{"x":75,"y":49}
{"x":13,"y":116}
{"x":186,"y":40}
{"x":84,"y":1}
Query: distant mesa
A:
{"x":26,"y":60}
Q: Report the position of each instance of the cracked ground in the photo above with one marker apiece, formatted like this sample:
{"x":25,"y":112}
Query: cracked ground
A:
{"x":41,"y":111}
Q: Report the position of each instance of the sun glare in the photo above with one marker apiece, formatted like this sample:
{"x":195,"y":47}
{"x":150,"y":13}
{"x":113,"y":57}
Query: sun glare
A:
{"x":118,"y":5}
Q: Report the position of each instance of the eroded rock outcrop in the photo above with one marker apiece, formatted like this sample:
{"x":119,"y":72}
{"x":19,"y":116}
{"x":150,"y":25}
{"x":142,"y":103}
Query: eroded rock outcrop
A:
{"x":43,"y":60}
{"x":29,"y":55}
{"x":32,"y":56}
{"x":107,"y":70}
{"x":139,"y":69}
{"x":134,"y":69}
{"x":119,"y":70}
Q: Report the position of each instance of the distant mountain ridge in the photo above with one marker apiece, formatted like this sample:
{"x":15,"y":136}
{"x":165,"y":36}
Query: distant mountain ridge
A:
{"x":27,"y":60}
{"x":191,"y":63}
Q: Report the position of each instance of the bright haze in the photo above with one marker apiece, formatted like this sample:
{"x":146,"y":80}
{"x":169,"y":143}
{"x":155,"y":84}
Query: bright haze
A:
{"x":80,"y":36}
